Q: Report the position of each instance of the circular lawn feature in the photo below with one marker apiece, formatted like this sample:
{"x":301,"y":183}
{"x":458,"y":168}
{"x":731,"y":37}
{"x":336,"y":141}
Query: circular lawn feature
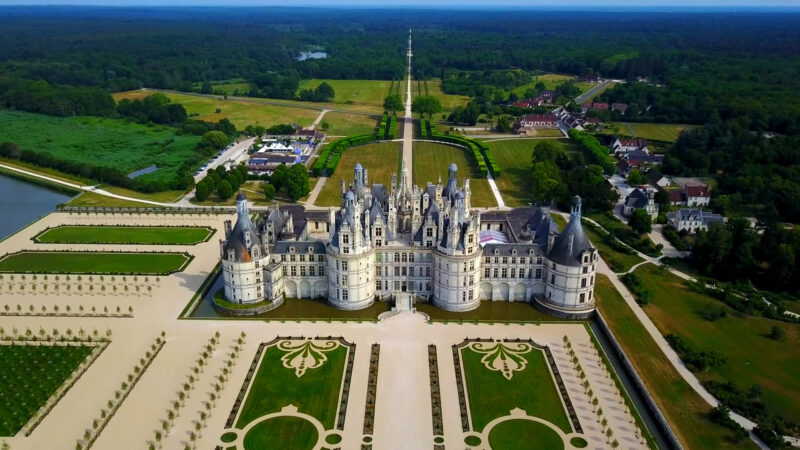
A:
{"x":281,"y":433}
{"x":578,"y":442}
{"x":472,"y":441}
{"x":333,"y":439}
{"x":518,"y":434}
{"x":228,"y":437}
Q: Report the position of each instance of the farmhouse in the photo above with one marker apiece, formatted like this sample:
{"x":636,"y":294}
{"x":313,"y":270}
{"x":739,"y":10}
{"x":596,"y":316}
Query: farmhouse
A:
{"x":535,"y":121}
{"x":637,"y":160}
{"x":403,"y":241}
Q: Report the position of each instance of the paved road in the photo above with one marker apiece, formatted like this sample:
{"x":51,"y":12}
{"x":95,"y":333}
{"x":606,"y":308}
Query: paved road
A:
{"x":233,"y":153}
{"x":579,"y":99}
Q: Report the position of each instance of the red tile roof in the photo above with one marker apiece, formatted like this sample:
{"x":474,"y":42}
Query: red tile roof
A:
{"x":697,"y":190}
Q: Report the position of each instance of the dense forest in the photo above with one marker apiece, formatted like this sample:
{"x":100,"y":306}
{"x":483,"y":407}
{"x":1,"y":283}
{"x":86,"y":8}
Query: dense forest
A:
{"x":742,"y":65}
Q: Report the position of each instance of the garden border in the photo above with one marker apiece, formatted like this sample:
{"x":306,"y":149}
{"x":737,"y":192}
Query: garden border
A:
{"x":208,"y":237}
{"x":189,"y":259}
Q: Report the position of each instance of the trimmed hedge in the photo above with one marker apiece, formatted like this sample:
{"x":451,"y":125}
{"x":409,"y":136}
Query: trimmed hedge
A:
{"x":469,"y":144}
{"x":337,"y":147}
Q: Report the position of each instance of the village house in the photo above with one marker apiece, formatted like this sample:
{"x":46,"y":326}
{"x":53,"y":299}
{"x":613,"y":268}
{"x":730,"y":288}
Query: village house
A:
{"x":658,"y":180}
{"x":694,"y":194}
{"x":641,"y":198}
{"x":529,"y":121}
{"x":692,"y":220}
{"x":629,"y":146}
{"x":637,"y":160}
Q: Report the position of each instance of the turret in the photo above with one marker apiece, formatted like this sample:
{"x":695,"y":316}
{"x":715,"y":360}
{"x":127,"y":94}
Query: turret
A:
{"x":241,"y":205}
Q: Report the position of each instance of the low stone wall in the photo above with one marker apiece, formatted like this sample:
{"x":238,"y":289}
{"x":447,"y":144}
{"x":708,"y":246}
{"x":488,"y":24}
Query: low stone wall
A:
{"x":248,"y":311}
{"x":661,"y":421}
{"x":561,"y":313}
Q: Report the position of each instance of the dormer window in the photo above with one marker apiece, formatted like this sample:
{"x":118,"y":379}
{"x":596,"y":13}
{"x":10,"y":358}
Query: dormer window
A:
{"x":496,"y":251}
{"x":514,"y":252}
{"x":345,"y":238}
{"x":310,"y":250}
{"x":291,"y":249}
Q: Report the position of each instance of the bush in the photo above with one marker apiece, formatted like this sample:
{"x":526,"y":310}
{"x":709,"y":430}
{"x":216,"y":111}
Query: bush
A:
{"x":721,"y":415}
{"x":634,"y":283}
{"x":674,"y":238}
{"x":694,"y":360}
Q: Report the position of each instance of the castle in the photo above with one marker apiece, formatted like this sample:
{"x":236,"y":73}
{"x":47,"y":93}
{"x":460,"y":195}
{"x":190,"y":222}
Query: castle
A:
{"x":427,"y":243}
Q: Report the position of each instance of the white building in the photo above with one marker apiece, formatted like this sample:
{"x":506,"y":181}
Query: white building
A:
{"x":641,"y":198}
{"x":405,"y":240}
{"x":692,"y":220}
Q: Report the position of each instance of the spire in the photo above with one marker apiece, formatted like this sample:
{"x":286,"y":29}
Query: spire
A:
{"x":576,"y":208}
{"x":241,"y":204}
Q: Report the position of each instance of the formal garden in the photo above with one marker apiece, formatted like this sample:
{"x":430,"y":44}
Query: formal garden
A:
{"x":118,"y":263}
{"x":294,"y":395}
{"x":38,"y":368}
{"x":509,"y":389}
{"x":120,"y":234}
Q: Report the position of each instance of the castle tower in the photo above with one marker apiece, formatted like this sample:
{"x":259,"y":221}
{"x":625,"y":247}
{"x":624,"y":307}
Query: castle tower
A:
{"x":244,"y":257}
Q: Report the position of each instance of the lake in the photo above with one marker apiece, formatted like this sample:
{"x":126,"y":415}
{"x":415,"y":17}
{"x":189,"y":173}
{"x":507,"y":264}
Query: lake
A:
{"x":22,"y":203}
{"x":311,"y":55}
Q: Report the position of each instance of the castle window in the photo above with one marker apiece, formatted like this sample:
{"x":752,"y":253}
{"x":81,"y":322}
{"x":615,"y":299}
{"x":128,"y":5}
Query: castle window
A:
{"x":472,"y":265}
{"x":257,"y":265}
{"x":377,"y":271}
{"x":429,"y":232}
{"x":487,"y":260}
{"x":292,"y":258}
{"x":284,"y":270}
{"x":471,"y":239}
{"x":583,"y":282}
{"x":293,"y":271}
{"x":302,"y":258}
{"x":465,"y":266}
{"x":496,"y":252}
{"x":429,"y":244}
{"x":319,"y":258}
{"x":346,"y":250}
{"x":427,"y":286}
{"x":397,"y":257}
{"x":283,"y":258}
{"x":583,"y":298}
{"x":405,"y":271}
{"x":494,"y":273}
{"x":505,"y":272}
{"x":385,"y":285}
{"x":397,"y":271}
{"x":344,"y":294}
{"x":471,"y":280}
{"x":344,"y":265}
{"x":591,"y":282}
{"x":346,"y":238}
{"x":585,"y":270}
{"x":471,"y":294}
{"x":514,"y":260}
{"x":310,"y":252}
{"x":311,"y":271}
{"x":405,"y":257}
{"x":538,"y":274}
{"x":322,"y":271}
{"x":378,"y":243}
{"x":344,"y":280}
{"x":302,"y":271}
{"x":538,"y":260}
{"x":378,"y":285}
{"x":427,"y":271}
{"x":513,"y":252}
{"x":513,"y":272}
{"x":554,"y":265}
{"x":410,"y":257}
{"x":486,"y":273}
{"x":291,"y":249}
{"x":378,"y":232}
{"x":463,"y":296}
{"x":496,"y":260}
{"x":552,"y":278}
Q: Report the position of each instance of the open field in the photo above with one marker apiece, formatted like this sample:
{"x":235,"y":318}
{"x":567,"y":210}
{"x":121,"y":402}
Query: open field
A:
{"x":346,"y":124}
{"x":492,"y":394}
{"x":431,"y":161}
{"x":31,"y":374}
{"x":93,"y":262}
{"x":87,"y":198}
{"x":514,"y":158}
{"x":242,"y":112}
{"x":94,"y":234}
{"x":120,"y":144}
{"x":370,"y":92}
{"x":449,"y":101}
{"x":753,"y":358}
{"x":666,"y":132}
{"x":379,"y":159}
{"x":685,"y":411}
{"x":551,"y":81}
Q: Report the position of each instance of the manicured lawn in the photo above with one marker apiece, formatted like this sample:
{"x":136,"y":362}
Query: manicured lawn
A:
{"x":491,"y":311}
{"x":315,"y":393}
{"x":93,"y":262}
{"x":379,"y":159}
{"x":242,"y":112}
{"x":116,"y":143}
{"x":753,"y":358}
{"x":347,"y":124}
{"x":30,"y":374}
{"x":617,"y":261}
{"x":282,"y":433}
{"x":371,"y":92}
{"x":491,"y":395}
{"x":449,"y":101}
{"x":520,"y":434}
{"x":667,"y":132}
{"x":93,"y":234}
{"x":432,"y":160}
{"x":686,"y":412}
{"x":87,"y":198}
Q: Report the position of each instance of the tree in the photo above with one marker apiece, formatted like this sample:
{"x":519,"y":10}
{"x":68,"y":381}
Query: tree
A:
{"x":324,"y":92}
{"x":201,"y":192}
{"x":269,"y":191}
{"x":777,"y":333}
{"x":297,"y":183}
{"x":544,"y":181}
{"x":426,"y":105}
{"x":640,"y":222}
{"x":540,"y":87}
{"x":503,"y":124}
{"x":206,"y":88}
{"x":215,"y":139}
{"x":393,"y":103}
{"x":662,"y":199}
{"x":635,"y":178}
{"x":224,"y":190}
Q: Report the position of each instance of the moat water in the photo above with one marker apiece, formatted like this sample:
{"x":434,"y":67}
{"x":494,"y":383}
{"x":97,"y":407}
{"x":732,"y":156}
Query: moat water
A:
{"x":22,"y":203}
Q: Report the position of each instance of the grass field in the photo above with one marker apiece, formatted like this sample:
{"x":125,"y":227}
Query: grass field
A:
{"x":666,"y":132}
{"x":30,"y":375}
{"x":520,"y":434}
{"x":489,"y":311}
{"x":551,"y":81}
{"x":162,"y":197}
{"x":685,"y":410}
{"x":93,"y":234}
{"x":379,"y":159}
{"x":753,"y":358}
{"x":514,"y":158}
{"x":449,"y":101}
{"x":370,"y":92}
{"x":242,"y":112}
{"x":124,"y":145}
{"x":347,"y":124}
{"x":93,"y":262}
{"x":315,"y":391}
{"x":491,"y":395}
{"x":87,"y":198}
{"x":432,"y":160}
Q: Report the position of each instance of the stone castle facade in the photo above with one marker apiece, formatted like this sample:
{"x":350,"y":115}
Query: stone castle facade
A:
{"x":428,"y":243}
